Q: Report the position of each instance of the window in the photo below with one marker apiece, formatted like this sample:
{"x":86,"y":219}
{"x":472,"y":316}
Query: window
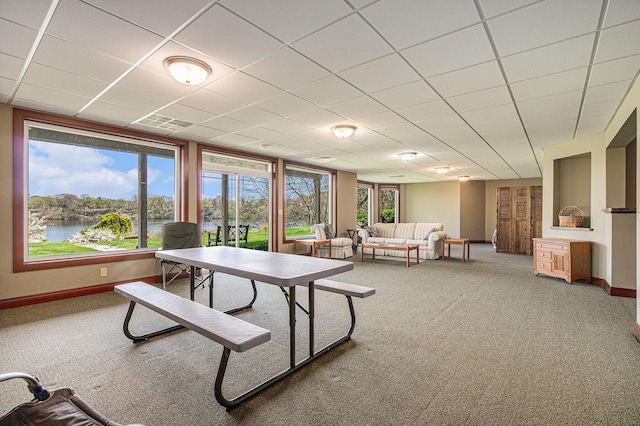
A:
{"x":389,"y":201}
{"x":236,"y":195}
{"x":308,"y":199}
{"x":364,"y":198}
{"x":88,"y":194}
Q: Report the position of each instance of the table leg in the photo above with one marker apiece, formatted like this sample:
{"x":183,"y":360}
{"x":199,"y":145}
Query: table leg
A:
{"x":192,"y":282}
{"x":361,"y":255}
{"x":311,"y":318}
{"x":418,"y":255}
{"x":468,"y":249}
{"x":408,"y":256}
{"x":463,"y":244}
{"x":292,"y":326}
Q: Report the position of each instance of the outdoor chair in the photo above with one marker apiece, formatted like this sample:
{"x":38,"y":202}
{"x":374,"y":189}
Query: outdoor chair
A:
{"x":178,"y":235}
{"x":216,"y":238}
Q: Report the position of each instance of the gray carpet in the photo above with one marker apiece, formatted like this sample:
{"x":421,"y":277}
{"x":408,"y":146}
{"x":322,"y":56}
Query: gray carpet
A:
{"x":483,"y":342}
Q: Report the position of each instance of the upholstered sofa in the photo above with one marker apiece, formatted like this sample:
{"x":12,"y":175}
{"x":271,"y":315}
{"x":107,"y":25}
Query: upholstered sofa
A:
{"x":341,"y":247}
{"x":428,"y":236}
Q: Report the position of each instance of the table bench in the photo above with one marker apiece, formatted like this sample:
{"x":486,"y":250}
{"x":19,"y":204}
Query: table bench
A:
{"x":231,"y":332}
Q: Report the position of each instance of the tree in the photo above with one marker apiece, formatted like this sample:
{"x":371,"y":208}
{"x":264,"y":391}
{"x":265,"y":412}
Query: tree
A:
{"x":117,"y":224}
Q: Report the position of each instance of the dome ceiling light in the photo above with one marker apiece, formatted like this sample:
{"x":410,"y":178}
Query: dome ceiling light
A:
{"x":407,"y":156}
{"x":343,"y":130}
{"x":187,"y":70}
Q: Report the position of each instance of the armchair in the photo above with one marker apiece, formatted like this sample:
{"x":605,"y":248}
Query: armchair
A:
{"x":341,"y":247}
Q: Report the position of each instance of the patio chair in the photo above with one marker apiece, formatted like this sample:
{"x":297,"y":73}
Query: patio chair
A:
{"x":216,"y":238}
{"x":178,"y":235}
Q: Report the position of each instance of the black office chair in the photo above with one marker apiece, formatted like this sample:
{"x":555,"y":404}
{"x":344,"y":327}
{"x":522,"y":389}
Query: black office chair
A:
{"x":178,"y":235}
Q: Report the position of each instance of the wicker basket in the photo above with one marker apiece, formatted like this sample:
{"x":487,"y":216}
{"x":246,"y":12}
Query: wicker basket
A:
{"x":571,"y":221}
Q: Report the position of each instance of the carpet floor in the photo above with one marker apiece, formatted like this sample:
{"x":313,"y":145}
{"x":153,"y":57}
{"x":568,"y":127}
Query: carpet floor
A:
{"x":484,"y":342}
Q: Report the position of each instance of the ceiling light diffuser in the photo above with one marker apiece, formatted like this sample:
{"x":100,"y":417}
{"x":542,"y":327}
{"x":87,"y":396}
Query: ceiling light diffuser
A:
{"x":187,"y":70}
{"x":406,"y":156}
{"x":463,"y":178}
{"x":442,"y":170}
{"x":343,"y":130}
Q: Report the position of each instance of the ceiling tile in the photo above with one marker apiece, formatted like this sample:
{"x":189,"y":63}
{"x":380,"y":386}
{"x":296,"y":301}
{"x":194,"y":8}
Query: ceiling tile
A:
{"x":616,"y":70}
{"x":160,"y":17}
{"x":286,"y":69}
{"x":498,"y":7}
{"x":318,"y":117}
{"x":544,"y":23}
{"x":491,"y":114}
{"x":285,"y":105}
{"x":244,"y":88}
{"x":568,"y":54}
{"x":253,"y":115}
{"x":327,"y":91}
{"x":40,"y":75}
{"x":286,"y":126}
{"x":461,"y":49}
{"x":566,"y":81}
{"x":380,"y":74}
{"x":407,"y":22}
{"x":381,"y":120}
{"x":222,"y":35}
{"x":425,"y":110}
{"x":16,"y":40}
{"x":226,"y":124}
{"x":467,"y":80}
{"x":607,"y":92}
{"x":10,"y":66}
{"x":30,"y":13}
{"x":44,"y":96}
{"x":614,"y":42}
{"x":357,"y":107}
{"x":550,"y":103}
{"x":210,"y":102}
{"x":70,"y":57}
{"x":287,"y":20}
{"x":621,"y":11}
{"x":600,"y":109}
{"x":161,"y":86}
{"x":481,"y":99}
{"x":100,"y":31}
{"x":345,"y":44}
{"x":185,"y":113}
{"x":116,"y":114}
{"x":406,"y":95}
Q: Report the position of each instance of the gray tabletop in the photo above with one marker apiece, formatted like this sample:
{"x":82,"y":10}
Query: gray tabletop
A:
{"x":284,"y":270}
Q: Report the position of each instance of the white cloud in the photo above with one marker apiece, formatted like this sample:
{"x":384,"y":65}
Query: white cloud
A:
{"x":67,"y":169}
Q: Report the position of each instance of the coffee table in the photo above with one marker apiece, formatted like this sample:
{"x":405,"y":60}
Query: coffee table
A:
{"x":401,"y":247}
{"x":313,"y":244}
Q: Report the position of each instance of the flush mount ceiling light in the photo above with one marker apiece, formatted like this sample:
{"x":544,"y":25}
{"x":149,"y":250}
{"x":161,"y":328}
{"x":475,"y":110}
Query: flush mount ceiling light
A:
{"x":406,"y":156}
{"x":343,"y":130}
{"x":463,"y":178}
{"x":187,"y":70}
{"x":442,"y":170}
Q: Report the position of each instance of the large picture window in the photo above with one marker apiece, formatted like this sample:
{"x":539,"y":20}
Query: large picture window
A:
{"x":308,"y":199}
{"x":89,"y":194}
{"x":364,"y":198}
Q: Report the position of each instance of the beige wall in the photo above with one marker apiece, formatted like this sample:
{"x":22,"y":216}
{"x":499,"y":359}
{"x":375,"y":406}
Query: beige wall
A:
{"x":434,"y":202}
{"x":472,"y":210}
{"x":346,"y":204}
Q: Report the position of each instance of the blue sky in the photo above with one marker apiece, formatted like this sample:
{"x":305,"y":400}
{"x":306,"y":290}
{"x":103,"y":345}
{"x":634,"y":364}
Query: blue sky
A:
{"x":68,"y":169}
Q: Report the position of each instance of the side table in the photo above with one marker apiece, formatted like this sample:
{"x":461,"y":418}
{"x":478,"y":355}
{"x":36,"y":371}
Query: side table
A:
{"x":352,"y":233}
{"x":462,"y":241}
{"x":313,"y":244}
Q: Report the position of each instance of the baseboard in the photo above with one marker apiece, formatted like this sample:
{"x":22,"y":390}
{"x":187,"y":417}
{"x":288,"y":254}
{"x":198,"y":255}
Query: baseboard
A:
{"x":67,"y":294}
{"x":614,"y":291}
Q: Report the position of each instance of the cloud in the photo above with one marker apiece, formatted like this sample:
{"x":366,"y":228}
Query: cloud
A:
{"x":68,"y":169}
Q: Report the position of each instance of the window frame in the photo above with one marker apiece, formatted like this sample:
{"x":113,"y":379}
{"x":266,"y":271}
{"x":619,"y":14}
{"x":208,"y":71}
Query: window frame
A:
{"x":370,"y":199}
{"x":22,"y":263}
{"x":331,"y":211}
{"x":396,"y":189}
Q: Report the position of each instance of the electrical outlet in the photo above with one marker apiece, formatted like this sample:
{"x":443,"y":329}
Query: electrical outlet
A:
{"x":103,"y":272}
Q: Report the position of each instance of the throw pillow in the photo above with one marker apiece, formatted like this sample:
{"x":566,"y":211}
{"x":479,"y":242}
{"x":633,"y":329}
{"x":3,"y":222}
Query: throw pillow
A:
{"x":426,"y":236}
{"x":372,"y":231}
{"x":328,"y":232}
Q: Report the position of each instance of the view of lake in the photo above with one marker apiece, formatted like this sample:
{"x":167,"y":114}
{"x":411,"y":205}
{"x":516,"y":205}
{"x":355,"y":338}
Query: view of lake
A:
{"x":61,"y":230}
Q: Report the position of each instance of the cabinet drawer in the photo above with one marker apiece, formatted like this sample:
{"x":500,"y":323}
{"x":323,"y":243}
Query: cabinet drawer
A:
{"x":543,"y":266}
{"x":559,"y":247}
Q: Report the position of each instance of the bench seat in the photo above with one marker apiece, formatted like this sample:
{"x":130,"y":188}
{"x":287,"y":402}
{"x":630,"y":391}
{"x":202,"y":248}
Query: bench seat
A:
{"x":347,"y":289}
{"x":231,"y":332}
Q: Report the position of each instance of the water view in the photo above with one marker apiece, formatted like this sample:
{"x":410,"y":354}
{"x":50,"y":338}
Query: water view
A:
{"x":61,"y":230}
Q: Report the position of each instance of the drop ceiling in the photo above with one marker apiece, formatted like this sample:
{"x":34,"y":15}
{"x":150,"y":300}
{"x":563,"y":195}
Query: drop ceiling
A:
{"x":478,"y":86}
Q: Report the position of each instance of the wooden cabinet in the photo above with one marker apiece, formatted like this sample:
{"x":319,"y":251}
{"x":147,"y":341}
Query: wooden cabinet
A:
{"x":519,"y":211}
{"x":561,"y":258}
